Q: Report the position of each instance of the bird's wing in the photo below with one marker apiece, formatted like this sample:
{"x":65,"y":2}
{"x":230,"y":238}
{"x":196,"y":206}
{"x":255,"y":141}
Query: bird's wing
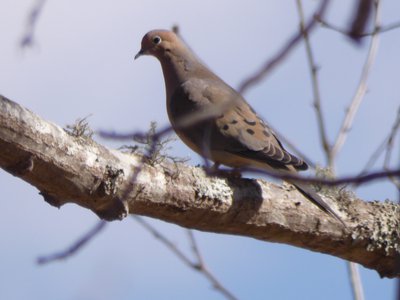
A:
{"x":239,"y":121}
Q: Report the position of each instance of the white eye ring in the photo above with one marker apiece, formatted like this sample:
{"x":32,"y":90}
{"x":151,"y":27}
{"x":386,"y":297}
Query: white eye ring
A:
{"x":156,"y":40}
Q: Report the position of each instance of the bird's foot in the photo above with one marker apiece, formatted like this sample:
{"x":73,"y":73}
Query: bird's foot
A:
{"x":235,"y":173}
{"x":215,"y":171}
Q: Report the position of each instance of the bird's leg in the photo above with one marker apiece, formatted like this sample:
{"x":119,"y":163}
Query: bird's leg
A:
{"x":235,"y":173}
{"x":215,"y":167}
{"x":214,"y":170}
{"x":211,"y":170}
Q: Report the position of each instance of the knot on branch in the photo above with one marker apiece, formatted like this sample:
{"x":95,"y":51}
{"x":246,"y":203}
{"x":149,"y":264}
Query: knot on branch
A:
{"x":116,"y":209}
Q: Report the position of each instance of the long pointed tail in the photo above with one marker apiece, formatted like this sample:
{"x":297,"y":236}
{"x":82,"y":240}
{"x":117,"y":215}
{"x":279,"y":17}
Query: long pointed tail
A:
{"x":317,"y":200}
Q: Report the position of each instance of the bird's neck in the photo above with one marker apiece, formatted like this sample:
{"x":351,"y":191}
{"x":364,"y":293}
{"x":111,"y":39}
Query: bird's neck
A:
{"x":178,"y":68}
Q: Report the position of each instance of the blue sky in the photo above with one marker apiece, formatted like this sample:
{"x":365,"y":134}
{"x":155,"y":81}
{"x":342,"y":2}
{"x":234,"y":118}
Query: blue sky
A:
{"x":82,"y":63}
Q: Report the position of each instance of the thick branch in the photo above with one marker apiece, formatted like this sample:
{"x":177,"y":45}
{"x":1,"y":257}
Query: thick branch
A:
{"x":66,"y":168}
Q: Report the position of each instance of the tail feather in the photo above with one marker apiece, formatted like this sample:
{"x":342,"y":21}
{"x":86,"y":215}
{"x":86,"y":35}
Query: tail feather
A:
{"x":317,"y":200}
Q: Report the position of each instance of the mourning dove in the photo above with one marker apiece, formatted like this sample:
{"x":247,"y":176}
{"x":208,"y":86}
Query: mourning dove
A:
{"x":224,"y":127}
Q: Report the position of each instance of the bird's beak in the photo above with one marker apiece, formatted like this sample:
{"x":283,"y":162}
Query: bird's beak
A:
{"x":140,"y":53}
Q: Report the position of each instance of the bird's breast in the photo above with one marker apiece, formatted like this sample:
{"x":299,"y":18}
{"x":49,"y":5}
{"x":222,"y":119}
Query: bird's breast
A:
{"x":180,"y":108}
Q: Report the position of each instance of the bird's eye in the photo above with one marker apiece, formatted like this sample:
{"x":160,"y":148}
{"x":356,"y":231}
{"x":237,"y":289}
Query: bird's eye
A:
{"x":156,"y":40}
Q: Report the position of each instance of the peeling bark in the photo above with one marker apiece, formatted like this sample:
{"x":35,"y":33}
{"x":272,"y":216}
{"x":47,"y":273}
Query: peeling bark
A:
{"x":67,"y":168}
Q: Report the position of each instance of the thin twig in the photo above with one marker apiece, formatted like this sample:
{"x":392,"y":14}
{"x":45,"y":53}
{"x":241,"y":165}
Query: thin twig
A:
{"x":132,"y":135}
{"x":358,"y":25}
{"x":284,"y":51}
{"x":198,"y":266}
{"x":355,"y":281}
{"x":389,"y":148}
{"x":381,"y":29}
{"x":75,"y":246}
{"x":171,"y":246}
{"x":390,"y":140}
{"x":374,"y":156}
{"x":383,"y":146}
{"x":361,"y":90}
{"x":398,"y":289}
{"x":215,"y":282}
{"x":315,"y":84}
{"x":357,"y":179}
{"x":195,"y":249}
{"x":27,"y":39}
{"x":360,"y":18}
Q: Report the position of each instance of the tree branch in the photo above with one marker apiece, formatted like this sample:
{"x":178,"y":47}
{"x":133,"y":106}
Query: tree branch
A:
{"x":68,"y":168}
{"x":76,"y":246}
{"x":28,"y":39}
{"x":323,"y":136}
{"x":198,"y":265}
{"x":361,"y":89}
{"x":268,"y":66}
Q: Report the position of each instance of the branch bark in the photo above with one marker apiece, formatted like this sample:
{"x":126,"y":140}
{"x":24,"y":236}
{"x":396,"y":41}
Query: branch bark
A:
{"x":70,"y":169}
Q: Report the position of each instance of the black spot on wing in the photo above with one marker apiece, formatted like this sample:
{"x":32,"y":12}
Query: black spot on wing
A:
{"x":250,"y":131}
{"x":266,"y":133}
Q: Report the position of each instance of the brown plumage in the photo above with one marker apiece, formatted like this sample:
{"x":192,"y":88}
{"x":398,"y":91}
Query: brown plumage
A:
{"x":227,"y":131}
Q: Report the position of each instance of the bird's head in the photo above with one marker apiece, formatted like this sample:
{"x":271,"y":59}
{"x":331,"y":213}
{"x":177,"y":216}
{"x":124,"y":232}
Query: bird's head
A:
{"x":157,"y":43}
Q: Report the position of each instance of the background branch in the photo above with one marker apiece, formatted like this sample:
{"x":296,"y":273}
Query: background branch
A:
{"x":286,"y":49}
{"x":198,"y":266}
{"x":28,"y":39}
{"x":361,"y":89}
{"x":360,"y":19}
{"x":75,"y":246}
{"x":314,"y":81}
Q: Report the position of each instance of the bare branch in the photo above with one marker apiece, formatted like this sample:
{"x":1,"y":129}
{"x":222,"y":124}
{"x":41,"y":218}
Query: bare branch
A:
{"x":374,"y":156}
{"x":381,"y":29}
{"x":389,"y":147}
{"x":398,"y":288}
{"x":28,"y":38}
{"x":195,"y":249}
{"x":385,"y":145}
{"x":282,"y":54}
{"x":359,"y":20}
{"x":361,"y":90}
{"x":159,"y":236}
{"x":353,"y":269}
{"x":66,"y":169}
{"x":204,"y":269}
{"x":315,"y":85}
{"x":199,"y":266}
{"x":355,"y":280}
{"x":75,"y":246}
{"x":357,"y":179}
